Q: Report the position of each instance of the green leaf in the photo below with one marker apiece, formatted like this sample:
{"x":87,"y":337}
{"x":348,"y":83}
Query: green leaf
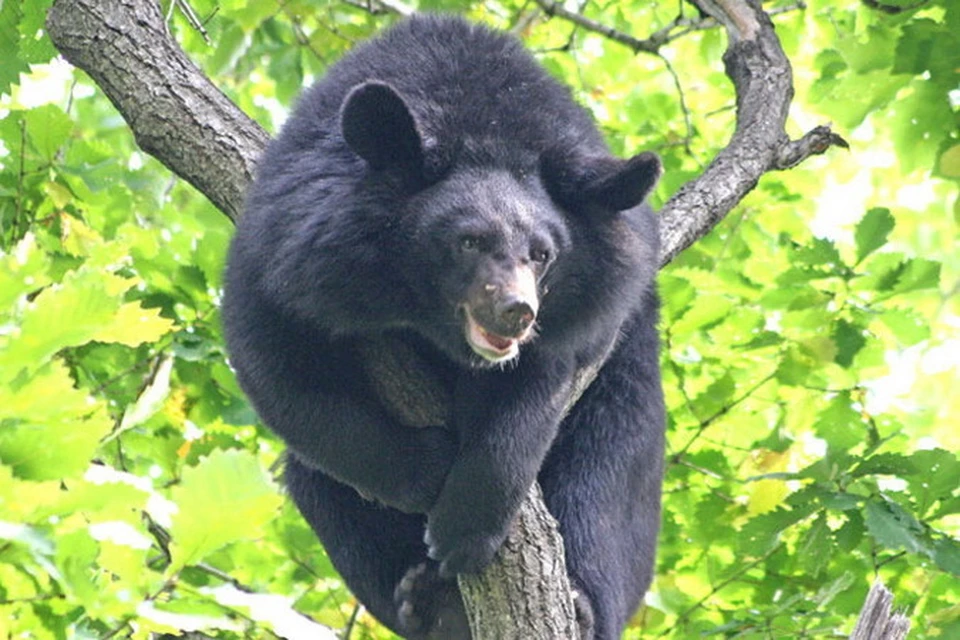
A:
{"x":13,"y":65}
{"x":949,"y":162}
{"x":48,"y":127}
{"x":840,"y":424}
{"x":230,"y":484}
{"x":850,"y":534}
{"x":706,"y":310}
{"x":946,"y":553}
{"x":151,"y":399}
{"x":938,"y":477}
{"x":849,"y":339}
{"x":919,"y":273}
{"x":893,"y":527}
{"x":907,"y":327}
{"x":22,"y":271}
{"x":134,"y":325}
{"x":715,"y":398}
{"x":63,"y":315}
{"x":42,"y":439}
{"x":34,"y":45}
{"x":872,"y":231}
{"x":76,"y":558}
{"x":892,"y":464}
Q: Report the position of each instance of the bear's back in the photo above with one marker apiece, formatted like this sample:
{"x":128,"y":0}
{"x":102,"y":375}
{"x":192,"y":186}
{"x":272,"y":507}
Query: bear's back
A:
{"x":478,"y":96}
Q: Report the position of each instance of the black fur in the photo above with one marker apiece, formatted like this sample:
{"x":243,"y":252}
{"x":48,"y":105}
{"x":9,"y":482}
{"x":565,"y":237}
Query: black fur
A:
{"x":439,"y":191}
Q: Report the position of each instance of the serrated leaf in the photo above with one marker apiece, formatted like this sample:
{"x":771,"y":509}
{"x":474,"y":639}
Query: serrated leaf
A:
{"x":831,"y":590}
{"x":63,"y":315}
{"x":134,"y":325}
{"x":76,"y":237}
{"x":706,"y":310}
{"x":230,"y":484}
{"x":892,"y":464}
{"x":76,"y":559}
{"x":892,"y":527}
{"x":45,"y":440}
{"x":918,"y":273}
{"x":818,"y":253}
{"x":35,"y":46}
{"x":763,"y":496}
{"x":715,"y":397}
{"x":872,"y":231}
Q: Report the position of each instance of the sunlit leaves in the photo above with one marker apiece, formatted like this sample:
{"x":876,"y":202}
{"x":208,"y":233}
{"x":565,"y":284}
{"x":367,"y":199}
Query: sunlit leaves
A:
{"x":31,"y":421}
{"x":47,"y":128}
{"x":872,"y":232}
{"x":230,"y":484}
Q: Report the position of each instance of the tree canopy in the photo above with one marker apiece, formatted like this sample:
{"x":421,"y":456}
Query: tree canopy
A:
{"x":811,"y":341}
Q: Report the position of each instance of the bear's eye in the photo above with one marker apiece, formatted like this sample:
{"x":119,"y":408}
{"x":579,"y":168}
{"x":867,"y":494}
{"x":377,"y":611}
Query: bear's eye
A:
{"x":469,"y":243}
{"x":540,"y":255}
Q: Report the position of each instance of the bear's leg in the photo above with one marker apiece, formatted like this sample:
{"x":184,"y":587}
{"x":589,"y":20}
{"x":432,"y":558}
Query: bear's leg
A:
{"x":373,"y":547}
{"x":602,"y":479}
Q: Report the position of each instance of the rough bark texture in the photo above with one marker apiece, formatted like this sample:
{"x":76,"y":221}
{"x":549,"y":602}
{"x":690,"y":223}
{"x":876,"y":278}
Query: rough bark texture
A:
{"x":529,"y":577}
{"x":761,"y":75}
{"x":877,"y":621}
{"x":182,"y":119}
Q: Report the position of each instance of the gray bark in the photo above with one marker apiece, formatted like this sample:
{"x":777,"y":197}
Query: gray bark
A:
{"x":761,"y":75}
{"x":182,"y":119}
{"x":877,"y":620}
{"x":509,"y":599}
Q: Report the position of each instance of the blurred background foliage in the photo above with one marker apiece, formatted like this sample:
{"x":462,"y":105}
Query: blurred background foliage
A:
{"x":811,"y":341}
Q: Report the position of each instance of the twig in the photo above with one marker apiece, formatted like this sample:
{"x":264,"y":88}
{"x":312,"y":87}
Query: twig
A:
{"x":552,"y":8}
{"x":677,"y":28}
{"x":683,"y":103}
{"x":192,"y":18}
{"x":719,"y":587}
{"x":348,"y":630}
{"x":705,"y":424}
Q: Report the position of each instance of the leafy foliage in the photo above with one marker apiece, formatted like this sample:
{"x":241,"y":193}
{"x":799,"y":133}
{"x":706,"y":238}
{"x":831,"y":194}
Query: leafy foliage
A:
{"x":810,"y":341}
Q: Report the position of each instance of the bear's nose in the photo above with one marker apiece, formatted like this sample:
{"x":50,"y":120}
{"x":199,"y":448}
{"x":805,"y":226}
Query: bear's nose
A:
{"x":517,"y":315}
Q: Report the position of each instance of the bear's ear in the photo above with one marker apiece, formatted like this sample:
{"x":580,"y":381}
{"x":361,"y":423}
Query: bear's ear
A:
{"x":379,"y":127}
{"x":611,"y":183}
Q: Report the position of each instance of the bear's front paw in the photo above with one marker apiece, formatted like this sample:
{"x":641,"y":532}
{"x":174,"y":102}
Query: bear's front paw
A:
{"x":429,"y":606}
{"x":465,"y":553}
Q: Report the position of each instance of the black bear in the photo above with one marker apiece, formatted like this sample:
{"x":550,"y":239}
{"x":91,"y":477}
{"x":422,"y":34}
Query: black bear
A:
{"x":438,"y":191}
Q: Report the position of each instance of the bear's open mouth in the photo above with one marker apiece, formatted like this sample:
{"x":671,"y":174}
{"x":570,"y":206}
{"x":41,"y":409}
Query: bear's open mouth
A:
{"x":489,"y":345}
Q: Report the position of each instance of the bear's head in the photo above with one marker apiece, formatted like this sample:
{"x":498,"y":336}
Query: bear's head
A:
{"x":483,"y":240}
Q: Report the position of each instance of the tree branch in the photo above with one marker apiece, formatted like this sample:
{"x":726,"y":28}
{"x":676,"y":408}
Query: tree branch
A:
{"x":763,"y":81}
{"x":678,"y":27}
